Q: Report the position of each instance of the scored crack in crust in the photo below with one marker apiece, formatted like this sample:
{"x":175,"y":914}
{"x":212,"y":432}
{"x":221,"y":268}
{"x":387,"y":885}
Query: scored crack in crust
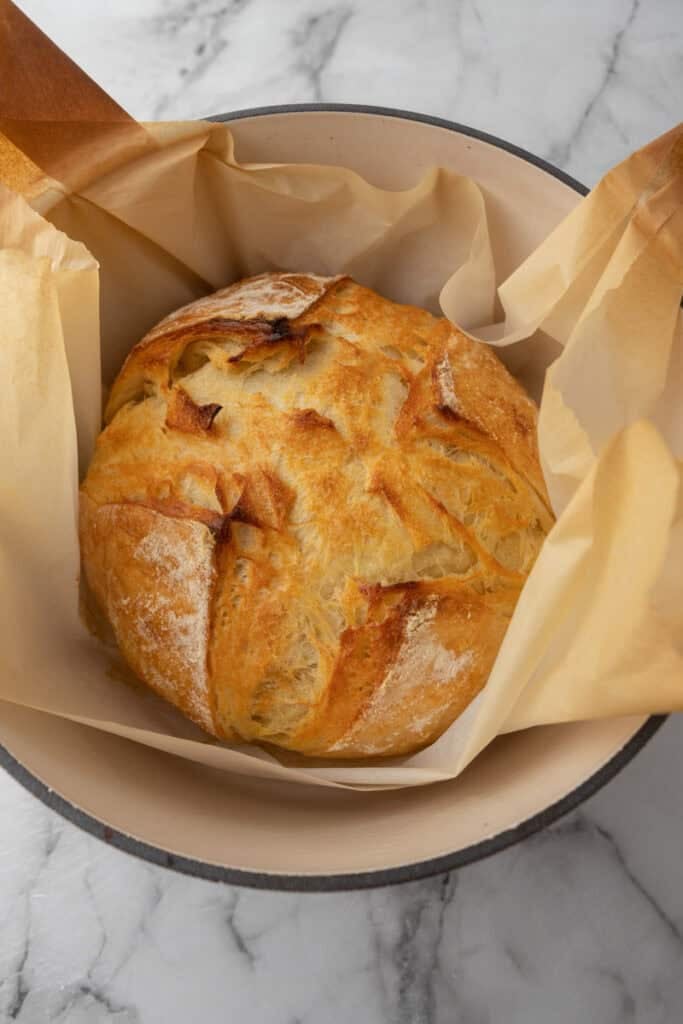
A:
{"x":310,"y":515}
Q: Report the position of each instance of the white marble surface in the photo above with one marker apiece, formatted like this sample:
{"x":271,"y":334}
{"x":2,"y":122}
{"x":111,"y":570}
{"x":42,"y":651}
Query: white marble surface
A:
{"x":582,"y":924}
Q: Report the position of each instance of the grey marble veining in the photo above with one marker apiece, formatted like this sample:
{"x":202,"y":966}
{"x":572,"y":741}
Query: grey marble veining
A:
{"x":582,"y":84}
{"x":581,"y":924}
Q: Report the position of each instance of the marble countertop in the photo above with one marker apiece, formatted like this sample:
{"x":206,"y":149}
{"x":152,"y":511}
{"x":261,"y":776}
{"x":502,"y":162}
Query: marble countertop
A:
{"x":581,"y":923}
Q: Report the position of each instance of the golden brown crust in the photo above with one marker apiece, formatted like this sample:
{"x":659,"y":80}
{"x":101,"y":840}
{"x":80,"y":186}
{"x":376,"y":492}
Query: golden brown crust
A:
{"x":311,"y":513}
{"x":184,"y":414}
{"x":154,"y":576}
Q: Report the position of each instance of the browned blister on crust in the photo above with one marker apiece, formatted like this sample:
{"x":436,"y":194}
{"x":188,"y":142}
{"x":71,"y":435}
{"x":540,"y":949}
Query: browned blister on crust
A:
{"x":311,"y":513}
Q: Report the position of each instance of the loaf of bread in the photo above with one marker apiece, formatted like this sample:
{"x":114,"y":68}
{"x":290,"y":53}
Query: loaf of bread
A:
{"x":310,"y":514}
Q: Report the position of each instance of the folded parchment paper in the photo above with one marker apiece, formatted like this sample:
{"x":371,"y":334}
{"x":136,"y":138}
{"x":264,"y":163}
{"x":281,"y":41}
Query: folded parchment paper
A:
{"x":169,"y":214}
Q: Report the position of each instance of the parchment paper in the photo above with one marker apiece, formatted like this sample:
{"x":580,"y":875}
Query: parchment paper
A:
{"x":599,"y":627}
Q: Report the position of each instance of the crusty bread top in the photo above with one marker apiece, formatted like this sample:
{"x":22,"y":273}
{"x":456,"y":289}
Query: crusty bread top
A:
{"x":311,"y":512}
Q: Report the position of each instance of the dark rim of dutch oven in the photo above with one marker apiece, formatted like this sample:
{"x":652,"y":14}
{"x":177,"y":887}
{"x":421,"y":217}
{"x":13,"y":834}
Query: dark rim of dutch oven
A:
{"x":381,"y":877}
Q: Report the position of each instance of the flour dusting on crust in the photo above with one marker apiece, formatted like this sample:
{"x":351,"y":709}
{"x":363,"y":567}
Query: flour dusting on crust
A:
{"x":443,"y":376}
{"x":183,"y":568}
{"x":421,"y":659}
{"x":266,"y":297}
{"x":165,"y":616}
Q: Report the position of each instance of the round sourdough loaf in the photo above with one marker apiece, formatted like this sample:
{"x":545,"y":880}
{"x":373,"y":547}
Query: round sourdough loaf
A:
{"x":310,"y":514}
